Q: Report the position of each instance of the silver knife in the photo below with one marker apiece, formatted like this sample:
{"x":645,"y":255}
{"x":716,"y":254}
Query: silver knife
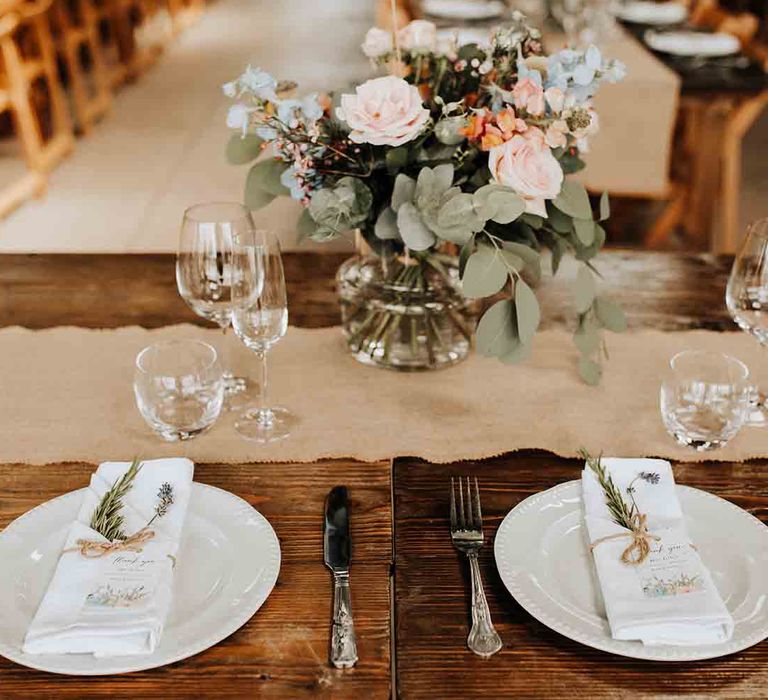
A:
{"x":337,"y":549}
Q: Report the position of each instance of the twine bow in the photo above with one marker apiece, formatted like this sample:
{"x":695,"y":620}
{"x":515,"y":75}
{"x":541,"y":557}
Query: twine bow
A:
{"x":639,"y":548}
{"x":94,"y":550}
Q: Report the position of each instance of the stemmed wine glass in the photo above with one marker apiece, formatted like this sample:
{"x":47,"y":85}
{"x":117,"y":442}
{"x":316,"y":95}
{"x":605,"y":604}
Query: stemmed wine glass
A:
{"x":260,"y":319}
{"x":747,"y":299}
{"x":204,"y":270}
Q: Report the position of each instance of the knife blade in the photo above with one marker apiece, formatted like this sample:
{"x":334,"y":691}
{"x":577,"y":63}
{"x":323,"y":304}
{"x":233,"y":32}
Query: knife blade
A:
{"x":337,"y":552}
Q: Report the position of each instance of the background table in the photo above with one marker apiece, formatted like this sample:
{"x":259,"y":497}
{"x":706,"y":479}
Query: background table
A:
{"x":282,"y":651}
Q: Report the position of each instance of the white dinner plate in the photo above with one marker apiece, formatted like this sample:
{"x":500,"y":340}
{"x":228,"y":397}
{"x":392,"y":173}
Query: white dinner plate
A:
{"x":463,"y":9}
{"x":544,"y":560}
{"x":686,"y":43}
{"x":647,"y":12}
{"x":228,"y":564}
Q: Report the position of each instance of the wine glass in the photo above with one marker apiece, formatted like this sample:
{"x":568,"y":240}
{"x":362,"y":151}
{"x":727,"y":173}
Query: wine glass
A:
{"x":204,"y":270}
{"x":260,"y":319}
{"x":747,"y":299}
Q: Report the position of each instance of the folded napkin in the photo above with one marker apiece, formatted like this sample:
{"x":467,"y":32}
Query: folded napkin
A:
{"x":670,"y":597}
{"x":116,"y":604}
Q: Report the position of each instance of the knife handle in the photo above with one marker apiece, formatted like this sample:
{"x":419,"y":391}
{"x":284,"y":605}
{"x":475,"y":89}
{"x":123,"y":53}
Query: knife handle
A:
{"x":343,"y":642}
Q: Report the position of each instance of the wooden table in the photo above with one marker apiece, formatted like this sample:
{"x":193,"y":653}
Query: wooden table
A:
{"x":282,"y":651}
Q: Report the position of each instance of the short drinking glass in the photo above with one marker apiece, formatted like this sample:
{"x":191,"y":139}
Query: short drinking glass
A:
{"x":704,"y":398}
{"x":179,"y":388}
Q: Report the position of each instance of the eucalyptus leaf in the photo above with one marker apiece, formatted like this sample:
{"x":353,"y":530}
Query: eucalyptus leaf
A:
{"x":610,"y":315}
{"x":528,"y":312}
{"x":255,"y":197}
{"x":481,"y":198}
{"x":243,"y":149}
{"x":512,"y":260}
{"x":305,"y":225}
{"x":485,"y":273}
{"x":447,"y":130}
{"x":605,"y":207}
{"x":404,"y":189}
{"x":528,"y":255}
{"x":587,"y":338}
{"x":266,"y":175}
{"x":562,"y":223}
{"x":533,"y":220}
{"x":466,"y":250}
{"x":397,"y":158}
{"x":573,"y":200}
{"x":458,"y":211}
{"x":496,"y":334}
{"x":412,"y":229}
{"x":386,"y":225}
{"x":585,"y":289}
{"x":590,"y":371}
{"x":520,"y":353}
{"x":585,"y":230}
{"x":443,"y":177}
{"x":589,"y":252}
{"x":507,"y":206}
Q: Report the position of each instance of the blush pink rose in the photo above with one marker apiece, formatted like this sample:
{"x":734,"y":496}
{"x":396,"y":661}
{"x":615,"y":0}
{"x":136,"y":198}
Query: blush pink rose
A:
{"x":529,"y":96}
{"x":526,"y":164}
{"x":384,"y":111}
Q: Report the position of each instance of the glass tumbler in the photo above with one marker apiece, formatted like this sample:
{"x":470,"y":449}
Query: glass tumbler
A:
{"x":179,"y":388}
{"x":704,"y":398}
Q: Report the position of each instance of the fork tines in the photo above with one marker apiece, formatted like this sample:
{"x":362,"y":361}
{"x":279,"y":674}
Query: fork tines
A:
{"x":470,"y":518}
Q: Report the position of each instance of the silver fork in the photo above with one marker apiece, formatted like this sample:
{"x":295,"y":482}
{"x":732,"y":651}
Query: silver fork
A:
{"x":467,"y":536}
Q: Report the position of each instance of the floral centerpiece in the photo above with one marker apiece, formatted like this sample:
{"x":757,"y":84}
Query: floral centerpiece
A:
{"x":453,"y":167}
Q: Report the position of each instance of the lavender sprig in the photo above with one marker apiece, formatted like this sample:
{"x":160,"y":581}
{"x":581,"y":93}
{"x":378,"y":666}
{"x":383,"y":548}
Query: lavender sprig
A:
{"x":165,"y":501}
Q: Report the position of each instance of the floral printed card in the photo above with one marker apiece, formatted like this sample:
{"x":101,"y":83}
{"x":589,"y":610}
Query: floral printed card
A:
{"x":128,"y":581}
{"x":672,"y":568}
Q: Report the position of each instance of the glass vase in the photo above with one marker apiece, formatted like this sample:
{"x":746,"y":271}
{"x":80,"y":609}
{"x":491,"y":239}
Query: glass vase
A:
{"x":403,"y":313}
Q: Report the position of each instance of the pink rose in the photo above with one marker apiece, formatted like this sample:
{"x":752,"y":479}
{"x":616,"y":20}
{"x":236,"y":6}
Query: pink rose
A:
{"x":526,"y":164}
{"x":384,"y":111}
{"x":529,"y":96}
{"x":418,"y":36}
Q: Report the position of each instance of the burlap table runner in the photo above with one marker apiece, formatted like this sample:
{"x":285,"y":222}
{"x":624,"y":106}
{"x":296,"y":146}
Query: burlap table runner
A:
{"x":66,"y":395}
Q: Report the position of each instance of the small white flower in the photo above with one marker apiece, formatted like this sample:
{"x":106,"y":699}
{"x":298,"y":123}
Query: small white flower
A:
{"x":230,"y":89}
{"x":239,"y":117}
{"x":419,"y":36}
{"x":260,"y":83}
{"x":378,"y":42}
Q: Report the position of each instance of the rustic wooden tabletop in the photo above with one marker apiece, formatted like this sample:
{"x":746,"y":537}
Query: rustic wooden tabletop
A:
{"x":401,"y":547}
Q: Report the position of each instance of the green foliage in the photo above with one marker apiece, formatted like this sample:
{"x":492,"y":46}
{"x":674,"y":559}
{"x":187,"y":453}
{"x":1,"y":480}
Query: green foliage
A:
{"x":106,"y":519}
{"x":243,"y":149}
{"x":485,"y":273}
{"x":528,"y":312}
{"x":496,"y":334}
{"x":338,"y":209}
{"x":263,"y":183}
{"x":573,"y":200}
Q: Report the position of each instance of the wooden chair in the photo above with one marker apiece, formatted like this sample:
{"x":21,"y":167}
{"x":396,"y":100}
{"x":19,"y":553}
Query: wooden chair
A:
{"x":29,"y":183}
{"x":37,"y":102}
{"x":76,"y":30}
{"x":185,"y":13}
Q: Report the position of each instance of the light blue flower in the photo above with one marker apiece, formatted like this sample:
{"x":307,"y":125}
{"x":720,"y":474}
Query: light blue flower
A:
{"x":268,"y":133}
{"x":311,"y":108}
{"x":289,"y":180}
{"x":239,"y":117}
{"x":524,"y":72}
{"x":259,"y":83}
{"x":615,"y":71}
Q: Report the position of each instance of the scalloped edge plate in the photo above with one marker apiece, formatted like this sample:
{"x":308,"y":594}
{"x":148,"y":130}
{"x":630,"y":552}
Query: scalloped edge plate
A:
{"x":228,"y":564}
{"x":543,"y":558}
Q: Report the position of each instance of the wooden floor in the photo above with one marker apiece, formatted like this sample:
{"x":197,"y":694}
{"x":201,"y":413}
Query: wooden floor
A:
{"x":402,"y":549}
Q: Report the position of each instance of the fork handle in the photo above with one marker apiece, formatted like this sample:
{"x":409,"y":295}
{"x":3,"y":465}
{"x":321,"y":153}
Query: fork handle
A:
{"x":343,"y":641}
{"x":483,"y":638}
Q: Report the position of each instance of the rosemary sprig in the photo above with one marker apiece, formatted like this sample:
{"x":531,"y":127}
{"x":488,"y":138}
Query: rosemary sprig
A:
{"x":106,"y":519}
{"x":623,"y":514}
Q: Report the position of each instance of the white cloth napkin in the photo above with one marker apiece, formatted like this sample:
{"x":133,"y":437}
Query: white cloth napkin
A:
{"x":670,"y":598}
{"x":116,"y":604}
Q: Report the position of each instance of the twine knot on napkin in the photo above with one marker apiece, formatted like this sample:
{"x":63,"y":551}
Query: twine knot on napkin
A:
{"x":639,"y":548}
{"x":93,"y":550}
